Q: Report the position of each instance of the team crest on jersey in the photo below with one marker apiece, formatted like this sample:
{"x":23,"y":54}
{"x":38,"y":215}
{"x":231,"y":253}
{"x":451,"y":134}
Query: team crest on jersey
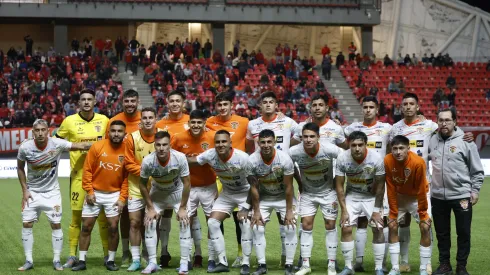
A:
{"x":280,"y":126}
{"x":420,"y":130}
{"x":98,"y":128}
{"x":205,"y":146}
{"x":368,"y":170}
{"x":335,"y":205}
{"x":185,"y":146}
{"x":464,"y":204}
{"x":407,"y":172}
{"x":452,"y":149}
{"x":328,"y":134}
{"x":57,"y":208}
{"x":278,"y":171}
{"x":52,"y":153}
{"x":378,"y":132}
{"x":234,"y":125}
{"x":121,"y":159}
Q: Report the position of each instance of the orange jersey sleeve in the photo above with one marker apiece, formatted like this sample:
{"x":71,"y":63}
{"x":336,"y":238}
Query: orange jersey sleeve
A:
{"x":130,"y":163}
{"x":185,"y":143}
{"x":174,"y":126}
{"x":132,"y":123}
{"x":390,"y":187}
{"x":104,"y":169}
{"x":236,"y":125}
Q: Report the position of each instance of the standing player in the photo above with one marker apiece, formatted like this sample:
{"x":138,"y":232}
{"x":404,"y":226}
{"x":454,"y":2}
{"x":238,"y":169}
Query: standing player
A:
{"x":203,"y":179}
{"x":86,"y":126}
{"x":365,"y":174}
{"x":407,"y":193}
{"x":40,"y":187}
{"x":131,"y":117}
{"x":139,"y":144}
{"x":315,"y":161}
{"x":175,"y":122}
{"x":233,"y":169}
{"x":237,"y":127}
{"x":273,"y":190}
{"x":106,"y":184}
{"x":377,"y":133}
{"x":170,"y":188}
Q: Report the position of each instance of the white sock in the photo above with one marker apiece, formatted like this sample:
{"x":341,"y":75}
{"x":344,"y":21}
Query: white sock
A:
{"x":28,"y":243}
{"x":361,"y":239}
{"x":82,"y":255}
{"x":300,"y":231}
{"x":386,"y":231}
{"x":291,"y":242}
{"x":247,"y":237}
{"x":379,"y":252}
{"x":282,"y":233}
{"x":196,"y":234}
{"x":425,"y":255}
{"x":125,"y":245}
{"x":57,"y":242}
{"x":348,"y":252}
{"x":185,"y":244}
{"x":211,"y":251}
{"x":404,"y":233}
{"x":165,"y":226}
{"x":260,"y":243}
{"x":431,"y":244}
{"x":151,"y":241}
{"x":306,"y":245}
{"x":135,"y":253}
{"x":395,"y":254}
{"x":112,"y":256}
{"x":217,"y":240}
{"x":331,"y":243}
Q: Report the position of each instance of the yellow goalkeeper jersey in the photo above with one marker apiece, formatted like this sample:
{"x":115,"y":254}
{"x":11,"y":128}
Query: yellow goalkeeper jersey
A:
{"x":74,"y":128}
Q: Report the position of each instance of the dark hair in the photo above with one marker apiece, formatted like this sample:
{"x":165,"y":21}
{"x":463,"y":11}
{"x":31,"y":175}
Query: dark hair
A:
{"x":197,"y":114}
{"x":149,"y":109}
{"x":118,"y":122}
{"x":175,"y":92}
{"x":87,"y":91}
{"x":224,"y":96}
{"x":162,"y":134}
{"x":222,"y":132}
{"x":267,"y":133}
{"x":403,"y":140}
{"x":310,"y":126}
{"x":411,"y":95}
{"x":130,"y":93}
{"x":370,"y":98}
{"x":454,"y":115}
{"x":268,"y":94}
{"x":317,"y":97}
{"x":358,"y":135}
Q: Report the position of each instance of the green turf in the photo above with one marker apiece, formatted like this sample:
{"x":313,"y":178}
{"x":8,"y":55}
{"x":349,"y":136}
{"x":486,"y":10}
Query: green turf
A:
{"x":12,"y":255}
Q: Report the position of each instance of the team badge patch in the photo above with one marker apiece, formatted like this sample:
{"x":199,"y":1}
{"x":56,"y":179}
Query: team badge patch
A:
{"x":335,"y":205}
{"x":234,"y":125}
{"x":205,"y":146}
{"x":464,"y":204}
{"x":420,"y":130}
{"x":98,"y":128}
{"x":328,"y":134}
{"x":121,"y":159}
{"x":407,"y":172}
{"x":57,"y":208}
{"x":368,"y":170}
{"x":452,"y":149}
{"x":280,"y":126}
{"x":378,"y":132}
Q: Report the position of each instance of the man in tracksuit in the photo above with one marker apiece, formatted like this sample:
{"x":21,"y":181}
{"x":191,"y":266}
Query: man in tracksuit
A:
{"x":457,"y":177}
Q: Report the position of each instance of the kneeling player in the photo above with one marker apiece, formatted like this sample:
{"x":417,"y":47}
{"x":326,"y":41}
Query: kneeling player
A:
{"x":105,"y":181}
{"x":273,"y":190}
{"x":407,"y":193}
{"x":40,"y":188}
{"x":170,"y":188}
{"x":365,"y":173}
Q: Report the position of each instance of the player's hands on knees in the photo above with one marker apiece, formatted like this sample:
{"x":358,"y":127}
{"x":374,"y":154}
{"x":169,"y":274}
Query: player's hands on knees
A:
{"x":289,"y":219}
{"x":150,"y":215}
{"x":25,"y":199}
{"x":377,"y":220}
{"x":242,"y":215}
{"x":90,"y":199}
{"x":120,"y":205}
{"x":344,"y":218}
{"x":257,"y":219}
{"x":183,"y":217}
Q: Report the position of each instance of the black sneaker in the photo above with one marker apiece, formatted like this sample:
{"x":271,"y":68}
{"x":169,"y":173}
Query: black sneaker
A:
{"x":165,"y":260}
{"x":261,"y":269}
{"x":444,"y":269}
{"x":111,"y":266}
{"x":461,"y":270}
{"x":245,"y":270}
{"x":220,"y":268}
{"x":79,"y":266}
{"x":288,"y":269}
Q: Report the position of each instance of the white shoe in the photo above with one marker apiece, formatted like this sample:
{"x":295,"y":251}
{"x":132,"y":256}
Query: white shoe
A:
{"x":304,"y":270}
{"x":332,"y":270}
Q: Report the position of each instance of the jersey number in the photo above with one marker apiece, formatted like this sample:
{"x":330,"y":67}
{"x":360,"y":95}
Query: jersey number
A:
{"x":74,"y":196}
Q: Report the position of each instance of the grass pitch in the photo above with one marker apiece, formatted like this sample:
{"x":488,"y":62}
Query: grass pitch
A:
{"x":13,"y":256}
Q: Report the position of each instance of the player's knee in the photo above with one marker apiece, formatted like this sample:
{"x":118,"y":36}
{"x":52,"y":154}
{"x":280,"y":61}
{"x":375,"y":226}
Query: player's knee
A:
{"x":27,"y":224}
{"x":135,"y":224}
{"x":393,"y":225}
{"x":362,"y":222}
{"x":329,"y":224}
{"x":114,"y":229}
{"x":378,"y":236}
{"x":260,"y":230}
{"x":56,"y":226}
{"x":424,"y":227}
{"x":86,"y":228}
{"x":346,"y":230}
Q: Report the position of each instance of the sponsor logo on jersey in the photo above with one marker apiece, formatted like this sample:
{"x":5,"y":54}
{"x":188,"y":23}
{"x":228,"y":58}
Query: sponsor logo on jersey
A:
{"x":279,"y":139}
{"x":375,"y":144}
{"x":357,"y":181}
{"x":452,"y":149}
{"x":416,"y":143}
{"x":205,"y":146}
{"x":185,"y":146}
{"x":86,"y":139}
{"x":109,"y":166}
{"x":234,"y":125}
{"x":45,"y":166}
{"x":104,"y":155}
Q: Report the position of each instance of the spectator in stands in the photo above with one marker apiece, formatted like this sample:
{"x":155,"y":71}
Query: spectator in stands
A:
{"x":451,"y":81}
{"x":447,"y":60}
{"x":279,"y":52}
{"x":488,"y":66}
{"x":438,"y":61}
{"x":487,"y":95}
{"x":260,"y":57}
{"x":107,"y":45}
{"x":415,"y":60}
{"x":365,"y":62}
{"x":2,"y":58}
{"x":120,"y":46}
{"x":134,"y":45}
{"x":407,"y":60}
{"x":425,"y":59}
{"x":320,"y":86}
{"x":401,"y":86}
{"x":374,"y":91}
{"x":196,"y":47}
{"x":252,"y":102}
{"x":236,"y":48}
{"x":75,"y":44}
{"x":397,"y":113}
{"x":153,"y":49}
{"x":208,"y":47}
{"x":141,"y":53}
{"x":352,"y":51}
{"x":325,"y":50}
{"x":393,"y":88}
{"x":264,"y":79}
{"x":326,"y":67}
{"x":382,"y":108}
{"x":444,"y":102}
{"x":287,"y":53}
{"x":29,"y":44}
{"x":4,"y":111}
{"x":301,"y":108}
{"x":452,"y":97}
{"x":88,"y":46}
{"x":387,"y":61}
{"x":217,"y":57}
{"x":432,"y":58}
{"x":134,"y":63}
{"x":240,"y":108}
{"x":12,"y":55}
{"x":340,"y":60}
{"x":400,"y":60}
{"x":8,"y":122}
{"x":295,"y":52}
{"x":288,"y":112}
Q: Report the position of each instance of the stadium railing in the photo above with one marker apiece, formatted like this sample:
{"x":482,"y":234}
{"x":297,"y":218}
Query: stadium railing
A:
{"x":308,"y":3}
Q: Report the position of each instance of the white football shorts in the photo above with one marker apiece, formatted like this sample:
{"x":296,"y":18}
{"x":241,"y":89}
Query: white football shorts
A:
{"x":104,"y":201}
{"x":226,"y":202}
{"x":204,"y":196}
{"x":310,"y":203}
{"x":48,"y":202}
